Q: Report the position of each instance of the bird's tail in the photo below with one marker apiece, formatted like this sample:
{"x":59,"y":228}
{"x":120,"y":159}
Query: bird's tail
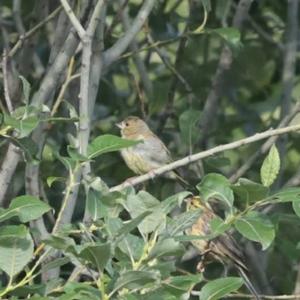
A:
{"x":248,"y":283}
{"x":183,"y":182}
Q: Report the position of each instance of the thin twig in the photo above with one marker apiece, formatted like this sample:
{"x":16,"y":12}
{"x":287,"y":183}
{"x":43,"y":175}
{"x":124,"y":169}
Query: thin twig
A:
{"x":195,"y":157}
{"x":165,"y":60}
{"x":32,"y":31}
{"x":113,"y":53}
{"x":75,"y":22}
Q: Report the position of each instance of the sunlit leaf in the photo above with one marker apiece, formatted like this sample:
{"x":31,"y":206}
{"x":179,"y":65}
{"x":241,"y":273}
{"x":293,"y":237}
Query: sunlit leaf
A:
{"x":108,"y":143}
{"x":270,"y":167}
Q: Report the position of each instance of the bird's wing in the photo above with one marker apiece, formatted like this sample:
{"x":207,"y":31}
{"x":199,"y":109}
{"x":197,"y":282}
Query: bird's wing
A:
{"x":158,"y":152}
{"x":229,"y":248}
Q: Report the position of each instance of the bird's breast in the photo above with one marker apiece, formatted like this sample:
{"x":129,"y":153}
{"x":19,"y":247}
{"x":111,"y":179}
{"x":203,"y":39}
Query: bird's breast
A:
{"x":135,"y":160}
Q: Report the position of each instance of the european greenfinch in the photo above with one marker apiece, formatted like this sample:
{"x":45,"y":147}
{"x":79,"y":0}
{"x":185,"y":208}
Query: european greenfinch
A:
{"x":222,"y":248}
{"x":148,"y":155}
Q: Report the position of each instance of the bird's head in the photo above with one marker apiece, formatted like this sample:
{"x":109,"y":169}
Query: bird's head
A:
{"x":132,"y":126}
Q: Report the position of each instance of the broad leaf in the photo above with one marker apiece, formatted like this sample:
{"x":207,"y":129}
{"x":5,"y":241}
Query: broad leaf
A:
{"x":270,"y":167}
{"x":26,"y":89}
{"x":16,"y":249}
{"x":132,"y":279}
{"x":256,"y":227}
{"x":187,"y":124}
{"x":166,"y":247}
{"x":216,"y":186}
{"x":219,"y":288}
{"x":287,"y":195}
{"x":179,"y":285}
{"x":96,"y":254}
{"x":250,"y":191}
{"x":183,"y":221}
{"x":296,"y":207}
{"x":108,"y":143}
{"x":230,"y":34}
{"x":28,"y":208}
{"x":142,"y":202}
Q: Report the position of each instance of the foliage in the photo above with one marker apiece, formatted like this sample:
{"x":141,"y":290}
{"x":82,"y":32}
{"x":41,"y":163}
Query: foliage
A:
{"x":130,"y":244}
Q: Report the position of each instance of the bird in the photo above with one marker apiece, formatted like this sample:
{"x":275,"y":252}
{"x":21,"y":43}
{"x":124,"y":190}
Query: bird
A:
{"x":222,"y":248}
{"x":148,"y":155}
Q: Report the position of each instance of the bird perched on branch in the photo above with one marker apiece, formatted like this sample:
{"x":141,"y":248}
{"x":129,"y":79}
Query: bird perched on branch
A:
{"x":148,"y":155}
{"x":222,"y":248}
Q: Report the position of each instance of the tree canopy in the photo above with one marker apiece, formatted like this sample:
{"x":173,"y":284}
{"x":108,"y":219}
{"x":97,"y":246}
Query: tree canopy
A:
{"x":216,"y":81}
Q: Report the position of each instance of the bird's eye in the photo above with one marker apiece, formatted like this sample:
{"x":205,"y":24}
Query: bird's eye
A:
{"x":126,"y":124}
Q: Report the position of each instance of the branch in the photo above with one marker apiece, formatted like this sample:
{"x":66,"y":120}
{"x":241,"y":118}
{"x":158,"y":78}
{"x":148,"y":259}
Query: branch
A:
{"x":121,"y":45}
{"x":7,"y":169}
{"x":139,"y":63}
{"x":68,"y":205}
{"x":75,"y":22}
{"x":288,"y":73}
{"x":195,"y":157}
{"x":5,"y":82}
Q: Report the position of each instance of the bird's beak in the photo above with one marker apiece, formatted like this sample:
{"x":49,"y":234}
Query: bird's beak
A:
{"x":120,"y":125}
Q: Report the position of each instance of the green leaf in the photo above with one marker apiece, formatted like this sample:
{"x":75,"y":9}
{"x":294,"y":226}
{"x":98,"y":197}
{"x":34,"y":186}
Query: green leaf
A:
{"x":126,"y":228}
{"x":28,"y":208}
{"x":50,"y":180}
{"x":270,"y":167}
{"x":142,"y":202}
{"x":16,"y":249}
{"x":287,"y":195}
{"x":256,"y":227}
{"x":219,"y":288}
{"x":216,"y":186}
{"x":171,"y":202}
{"x":187,"y":124}
{"x":296,"y":207}
{"x":96,"y":254}
{"x":60,"y":243}
{"x":178,"y":285}
{"x":231,"y":35}
{"x":24,"y":292}
{"x":13,"y":231}
{"x":75,"y":155}
{"x":166,"y":247}
{"x":23,"y":126}
{"x":93,"y":204}
{"x":108,"y":143}
{"x":250,"y":191}
{"x":183,"y":221}
{"x":80,"y":290}
{"x":130,"y":244}
{"x":58,"y":262}
{"x":133,"y":279}
{"x":26,"y":89}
